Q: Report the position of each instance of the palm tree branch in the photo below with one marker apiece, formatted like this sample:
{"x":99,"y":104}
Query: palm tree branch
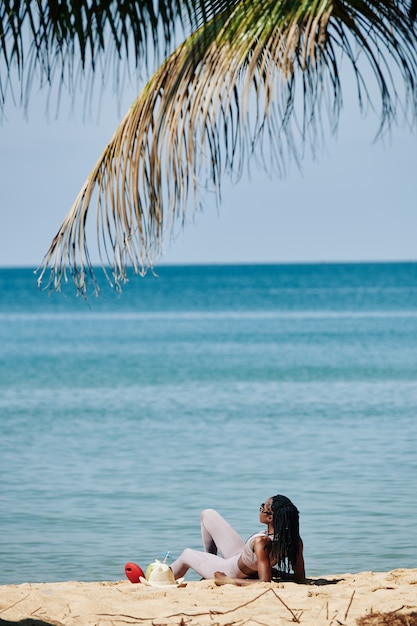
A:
{"x":193,"y":121}
{"x":49,"y":37}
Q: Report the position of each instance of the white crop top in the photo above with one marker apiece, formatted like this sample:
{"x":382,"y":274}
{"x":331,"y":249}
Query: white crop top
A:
{"x":248,"y":556}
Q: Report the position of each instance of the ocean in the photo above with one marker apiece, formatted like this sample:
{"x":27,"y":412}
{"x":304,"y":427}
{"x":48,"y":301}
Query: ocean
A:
{"x":208,"y":386}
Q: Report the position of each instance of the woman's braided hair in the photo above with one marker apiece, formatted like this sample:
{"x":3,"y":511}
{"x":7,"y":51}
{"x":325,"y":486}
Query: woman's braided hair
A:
{"x":286,"y":540}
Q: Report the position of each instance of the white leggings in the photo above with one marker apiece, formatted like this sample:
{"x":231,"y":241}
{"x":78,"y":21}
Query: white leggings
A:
{"x":217,"y":534}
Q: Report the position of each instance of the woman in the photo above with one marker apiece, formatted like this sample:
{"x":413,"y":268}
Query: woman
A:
{"x":279,"y":545}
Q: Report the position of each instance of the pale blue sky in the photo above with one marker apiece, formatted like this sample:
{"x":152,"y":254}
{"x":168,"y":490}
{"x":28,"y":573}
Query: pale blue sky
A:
{"x":357,"y":202}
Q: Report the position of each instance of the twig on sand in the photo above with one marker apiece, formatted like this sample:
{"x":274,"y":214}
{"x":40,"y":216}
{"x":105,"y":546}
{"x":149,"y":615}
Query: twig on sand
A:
{"x":295,"y":618}
{"x":123,"y":617}
{"x":350,"y":604}
{"x":210,"y":613}
{"x":396,"y":610}
{"x":14,"y":603}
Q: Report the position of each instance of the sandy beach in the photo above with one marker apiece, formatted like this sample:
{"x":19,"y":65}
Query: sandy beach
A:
{"x":366,"y":598}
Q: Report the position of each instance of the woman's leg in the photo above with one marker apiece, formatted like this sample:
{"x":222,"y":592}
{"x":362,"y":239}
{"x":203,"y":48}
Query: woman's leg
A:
{"x":205,"y":564}
{"x":217,"y":534}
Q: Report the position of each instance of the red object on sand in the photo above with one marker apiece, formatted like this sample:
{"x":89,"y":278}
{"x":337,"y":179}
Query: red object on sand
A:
{"x":133,"y":572}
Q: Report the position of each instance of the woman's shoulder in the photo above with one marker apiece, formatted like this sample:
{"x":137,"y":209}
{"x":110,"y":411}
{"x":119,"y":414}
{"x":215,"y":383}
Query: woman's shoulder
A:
{"x":257,"y":536}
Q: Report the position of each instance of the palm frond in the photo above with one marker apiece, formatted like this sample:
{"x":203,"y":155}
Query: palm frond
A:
{"x":47,"y":38}
{"x":252,"y":82}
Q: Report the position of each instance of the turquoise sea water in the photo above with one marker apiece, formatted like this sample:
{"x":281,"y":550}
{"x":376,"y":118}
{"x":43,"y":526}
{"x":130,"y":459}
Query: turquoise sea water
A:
{"x":214,"y":387}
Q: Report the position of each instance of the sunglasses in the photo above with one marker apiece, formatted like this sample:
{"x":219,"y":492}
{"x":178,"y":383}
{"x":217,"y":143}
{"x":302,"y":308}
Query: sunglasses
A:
{"x":263,"y":509}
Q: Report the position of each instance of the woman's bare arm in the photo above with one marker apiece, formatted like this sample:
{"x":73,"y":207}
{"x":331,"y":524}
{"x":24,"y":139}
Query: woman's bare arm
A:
{"x":262,"y":549}
{"x":299,"y":568}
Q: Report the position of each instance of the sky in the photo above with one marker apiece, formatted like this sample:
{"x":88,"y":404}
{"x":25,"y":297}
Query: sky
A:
{"x":356,"y":202}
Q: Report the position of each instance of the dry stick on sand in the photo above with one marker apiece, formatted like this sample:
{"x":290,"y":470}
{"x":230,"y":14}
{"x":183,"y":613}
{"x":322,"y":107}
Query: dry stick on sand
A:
{"x":14,"y":603}
{"x":350,"y":604}
{"x":182,"y":614}
{"x":346,"y":613}
{"x":295,"y":618}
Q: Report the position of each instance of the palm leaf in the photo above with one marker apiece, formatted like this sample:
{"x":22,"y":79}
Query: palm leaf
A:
{"x":254,"y":81}
{"x":55,"y":38}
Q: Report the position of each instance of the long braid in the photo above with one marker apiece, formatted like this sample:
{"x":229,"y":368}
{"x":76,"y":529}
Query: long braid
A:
{"x":286,"y":540}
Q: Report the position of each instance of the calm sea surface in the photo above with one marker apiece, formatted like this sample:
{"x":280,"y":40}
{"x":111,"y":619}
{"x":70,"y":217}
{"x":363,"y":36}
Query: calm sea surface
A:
{"x":210,"y":386}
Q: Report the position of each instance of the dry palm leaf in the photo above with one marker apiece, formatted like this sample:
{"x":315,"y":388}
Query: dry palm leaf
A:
{"x":252,"y":82}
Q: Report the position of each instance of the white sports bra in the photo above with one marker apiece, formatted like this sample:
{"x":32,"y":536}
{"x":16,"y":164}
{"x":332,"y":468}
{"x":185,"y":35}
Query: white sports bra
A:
{"x":248,"y":556}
